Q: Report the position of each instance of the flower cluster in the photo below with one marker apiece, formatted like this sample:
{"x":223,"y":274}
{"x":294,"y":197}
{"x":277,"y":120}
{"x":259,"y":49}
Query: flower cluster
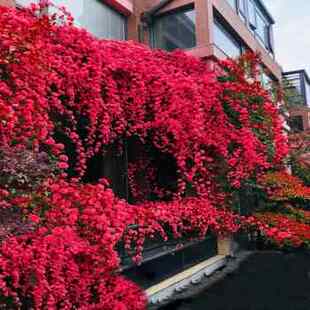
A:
{"x":66,"y":94}
{"x":281,"y":186}
{"x":189,"y":217}
{"x":68,"y":91}
{"x":68,"y":259}
{"x":75,"y":231}
{"x":280,"y":229}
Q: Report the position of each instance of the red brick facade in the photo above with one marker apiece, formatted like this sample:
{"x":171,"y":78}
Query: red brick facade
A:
{"x":304,"y":112}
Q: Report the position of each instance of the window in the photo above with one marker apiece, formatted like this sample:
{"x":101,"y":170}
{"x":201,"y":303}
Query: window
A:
{"x":261,"y":28}
{"x":233,"y":3}
{"x":266,"y":80}
{"x":260,"y":25}
{"x":175,"y":30}
{"x":307,"y":86}
{"x":258,"y":20}
{"x":225,"y":41}
{"x":25,"y":2}
{"x":242,"y":9}
{"x":268,"y":83}
{"x":296,"y":123}
{"x":293,"y":88}
{"x":93,"y":15}
{"x":252,"y":15}
{"x":96,"y":17}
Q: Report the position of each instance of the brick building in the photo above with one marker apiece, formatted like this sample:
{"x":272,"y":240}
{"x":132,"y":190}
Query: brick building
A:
{"x":212,"y":29}
{"x":297,"y":86}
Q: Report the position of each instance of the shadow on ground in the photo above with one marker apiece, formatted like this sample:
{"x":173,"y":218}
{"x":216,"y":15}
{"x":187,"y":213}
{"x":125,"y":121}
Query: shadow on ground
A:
{"x":266,"y":281}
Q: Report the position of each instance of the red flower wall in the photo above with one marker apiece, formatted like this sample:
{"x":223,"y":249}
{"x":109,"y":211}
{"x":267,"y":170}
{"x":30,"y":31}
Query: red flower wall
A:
{"x":57,"y":80}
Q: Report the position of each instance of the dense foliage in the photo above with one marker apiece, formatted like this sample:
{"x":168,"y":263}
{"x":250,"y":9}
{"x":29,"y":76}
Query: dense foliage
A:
{"x":300,"y":155}
{"x":283,"y":187}
{"x":288,"y":229}
{"x":284,"y":220}
{"x":65,"y":99}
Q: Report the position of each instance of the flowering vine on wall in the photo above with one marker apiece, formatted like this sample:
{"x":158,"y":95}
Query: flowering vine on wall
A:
{"x":69,"y":97}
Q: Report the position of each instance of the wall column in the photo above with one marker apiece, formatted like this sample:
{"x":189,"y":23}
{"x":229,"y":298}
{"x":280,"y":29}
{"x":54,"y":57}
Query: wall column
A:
{"x":204,"y":22}
{"x":7,"y":3}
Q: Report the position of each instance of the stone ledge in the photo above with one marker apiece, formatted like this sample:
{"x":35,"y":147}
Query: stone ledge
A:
{"x":163,"y":291}
{"x":231,"y":267}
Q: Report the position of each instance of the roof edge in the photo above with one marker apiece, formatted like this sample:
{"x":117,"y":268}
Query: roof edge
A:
{"x":303,"y":71}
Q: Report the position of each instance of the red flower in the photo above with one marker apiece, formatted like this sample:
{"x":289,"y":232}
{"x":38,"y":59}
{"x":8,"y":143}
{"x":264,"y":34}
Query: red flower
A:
{"x":63,"y":165}
{"x":34,"y":218}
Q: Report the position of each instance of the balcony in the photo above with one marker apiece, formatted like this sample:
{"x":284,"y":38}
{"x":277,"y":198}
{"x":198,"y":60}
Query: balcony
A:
{"x":297,"y":87}
{"x":297,"y":96}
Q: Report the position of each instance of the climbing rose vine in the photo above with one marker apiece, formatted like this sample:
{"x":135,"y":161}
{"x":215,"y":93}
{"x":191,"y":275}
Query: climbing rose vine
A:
{"x":66,"y":98}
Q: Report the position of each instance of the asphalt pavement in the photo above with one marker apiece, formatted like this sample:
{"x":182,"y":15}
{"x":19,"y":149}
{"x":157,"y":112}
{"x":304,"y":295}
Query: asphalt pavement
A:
{"x":265,"y":281}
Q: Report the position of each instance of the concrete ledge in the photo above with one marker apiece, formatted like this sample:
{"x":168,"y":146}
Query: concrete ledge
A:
{"x":176,"y":284}
{"x":123,"y":6}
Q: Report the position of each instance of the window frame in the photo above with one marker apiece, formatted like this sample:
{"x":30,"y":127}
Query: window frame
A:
{"x":249,"y":11}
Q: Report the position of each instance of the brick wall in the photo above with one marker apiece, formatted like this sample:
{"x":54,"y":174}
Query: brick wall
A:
{"x":304,"y":112}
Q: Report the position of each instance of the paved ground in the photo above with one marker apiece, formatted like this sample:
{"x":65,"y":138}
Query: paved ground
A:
{"x":265,"y":281}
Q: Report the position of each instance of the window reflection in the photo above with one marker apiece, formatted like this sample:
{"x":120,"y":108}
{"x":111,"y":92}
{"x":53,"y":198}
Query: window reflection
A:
{"x":96,"y":17}
{"x":225,"y":41}
{"x":252,"y":15}
{"x":242,"y":10}
{"x":233,"y":3}
{"x":307,"y":86}
{"x":175,"y":30}
{"x":93,"y":15}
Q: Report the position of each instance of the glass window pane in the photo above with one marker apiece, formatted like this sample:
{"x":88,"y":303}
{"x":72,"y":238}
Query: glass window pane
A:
{"x":232,"y":3}
{"x":308,"y":93}
{"x":296,"y":123}
{"x":261,"y":27}
{"x":252,"y":14}
{"x":242,"y":7}
{"x":96,"y":17}
{"x":293,"y":89}
{"x":242,"y":10}
{"x":225,"y":41}
{"x":26,"y":3}
{"x":176,"y":30}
